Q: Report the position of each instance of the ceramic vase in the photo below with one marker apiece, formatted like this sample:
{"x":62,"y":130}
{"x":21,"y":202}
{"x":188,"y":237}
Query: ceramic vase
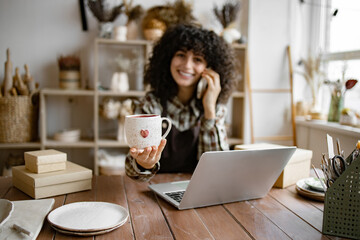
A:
{"x":120,"y":82}
{"x":69,"y":79}
{"x":111,"y":109}
{"x":105,"y":29}
{"x":120,"y":33}
{"x":132,"y":30}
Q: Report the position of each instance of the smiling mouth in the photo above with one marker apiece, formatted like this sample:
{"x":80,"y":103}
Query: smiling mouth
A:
{"x":185,"y":74}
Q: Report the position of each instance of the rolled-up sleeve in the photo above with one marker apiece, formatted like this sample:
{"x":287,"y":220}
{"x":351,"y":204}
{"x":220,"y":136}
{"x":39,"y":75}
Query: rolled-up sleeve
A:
{"x":213,"y":132}
{"x":135,"y":171}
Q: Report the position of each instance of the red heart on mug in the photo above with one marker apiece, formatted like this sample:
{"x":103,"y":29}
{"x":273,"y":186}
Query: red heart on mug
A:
{"x":144,"y":133}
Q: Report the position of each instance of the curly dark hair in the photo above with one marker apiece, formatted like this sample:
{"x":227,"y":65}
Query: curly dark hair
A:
{"x":218,"y":55}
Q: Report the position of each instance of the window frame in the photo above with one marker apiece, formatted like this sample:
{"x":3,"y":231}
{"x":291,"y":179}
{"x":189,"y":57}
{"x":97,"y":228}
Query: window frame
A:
{"x":321,"y":38}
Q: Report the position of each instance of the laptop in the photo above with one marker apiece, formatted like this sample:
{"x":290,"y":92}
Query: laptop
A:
{"x":227,"y":176}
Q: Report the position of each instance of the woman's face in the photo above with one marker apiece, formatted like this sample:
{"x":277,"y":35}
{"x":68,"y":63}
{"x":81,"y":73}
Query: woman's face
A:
{"x":186,"y":68}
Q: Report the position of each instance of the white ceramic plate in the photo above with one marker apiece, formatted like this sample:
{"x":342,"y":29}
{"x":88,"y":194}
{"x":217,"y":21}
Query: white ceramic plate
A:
{"x":305,"y":188}
{"x":6,"y":208}
{"x":84,"y":233}
{"x":314,"y":183}
{"x":309,"y":195}
{"x":88,"y":216}
{"x":71,"y":135}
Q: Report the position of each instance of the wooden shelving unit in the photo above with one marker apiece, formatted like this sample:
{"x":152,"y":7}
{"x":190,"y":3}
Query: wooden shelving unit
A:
{"x":96,"y":141}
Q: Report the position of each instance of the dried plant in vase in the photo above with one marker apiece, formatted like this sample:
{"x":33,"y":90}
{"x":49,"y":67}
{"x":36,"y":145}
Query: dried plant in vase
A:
{"x":315,"y":77}
{"x":126,"y":65}
{"x":134,"y":14}
{"x":228,"y":13}
{"x":69,"y":72}
{"x":227,"y":16}
{"x":70,"y":62}
{"x":105,"y":13}
{"x":338,"y":90}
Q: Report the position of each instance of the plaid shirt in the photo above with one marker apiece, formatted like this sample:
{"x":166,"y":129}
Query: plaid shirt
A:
{"x":212,"y":136}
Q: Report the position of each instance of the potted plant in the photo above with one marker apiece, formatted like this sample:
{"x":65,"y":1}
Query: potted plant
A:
{"x":125,"y":66}
{"x":134,"y":14}
{"x":69,"y":72}
{"x":314,"y":76}
{"x":338,"y":90}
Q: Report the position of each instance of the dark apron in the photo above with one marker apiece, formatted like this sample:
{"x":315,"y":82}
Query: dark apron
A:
{"x":180,"y":153}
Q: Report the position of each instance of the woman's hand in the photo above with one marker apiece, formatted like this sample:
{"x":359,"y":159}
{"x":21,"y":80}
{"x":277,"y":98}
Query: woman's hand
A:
{"x":212,"y":92}
{"x":150,"y":156}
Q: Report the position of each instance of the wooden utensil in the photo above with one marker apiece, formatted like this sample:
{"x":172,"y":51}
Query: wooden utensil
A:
{"x":29,"y":80}
{"x":19,"y":83}
{"x":8,"y":81}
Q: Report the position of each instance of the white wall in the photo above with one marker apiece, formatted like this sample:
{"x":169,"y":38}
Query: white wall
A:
{"x":272,"y":26}
{"x":38,"y":32}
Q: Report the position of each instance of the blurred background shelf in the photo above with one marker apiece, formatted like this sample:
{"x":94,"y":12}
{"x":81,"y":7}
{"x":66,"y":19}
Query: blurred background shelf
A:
{"x":35,"y":145}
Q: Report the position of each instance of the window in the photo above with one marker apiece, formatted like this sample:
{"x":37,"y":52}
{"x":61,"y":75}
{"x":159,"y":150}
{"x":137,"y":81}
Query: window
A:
{"x":340,"y":40}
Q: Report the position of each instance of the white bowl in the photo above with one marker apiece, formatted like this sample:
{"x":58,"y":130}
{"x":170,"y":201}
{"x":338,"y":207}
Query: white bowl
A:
{"x":6,"y":208}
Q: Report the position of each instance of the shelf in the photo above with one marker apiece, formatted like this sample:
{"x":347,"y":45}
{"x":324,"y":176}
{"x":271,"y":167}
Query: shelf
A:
{"x":111,"y":143}
{"x":124,"y":94}
{"x":238,"y":94}
{"x":79,"y":144}
{"x":20,"y":145}
{"x":329,"y":126}
{"x":238,"y":46}
{"x":61,"y":92}
{"x":128,"y":42}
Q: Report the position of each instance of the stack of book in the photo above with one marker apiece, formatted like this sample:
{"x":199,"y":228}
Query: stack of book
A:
{"x":47,"y":173}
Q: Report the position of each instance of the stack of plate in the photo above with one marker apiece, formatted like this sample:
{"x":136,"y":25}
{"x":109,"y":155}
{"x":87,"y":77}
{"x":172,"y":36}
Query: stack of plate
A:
{"x":310,"y":188}
{"x":69,"y":135}
{"x":87,"y":218}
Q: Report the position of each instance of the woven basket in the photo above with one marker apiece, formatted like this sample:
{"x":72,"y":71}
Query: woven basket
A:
{"x":18,"y":118}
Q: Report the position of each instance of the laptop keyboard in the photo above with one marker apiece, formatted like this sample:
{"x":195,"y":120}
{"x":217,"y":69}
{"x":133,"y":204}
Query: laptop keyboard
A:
{"x":177,"y":196}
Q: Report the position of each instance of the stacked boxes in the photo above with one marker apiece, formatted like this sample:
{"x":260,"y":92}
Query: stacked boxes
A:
{"x":45,"y":161}
{"x":297,"y":168}
{"x":48,"y":173}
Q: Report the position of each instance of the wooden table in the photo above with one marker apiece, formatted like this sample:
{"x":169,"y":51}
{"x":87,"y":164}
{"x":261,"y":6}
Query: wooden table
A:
{"x":282,"y":214}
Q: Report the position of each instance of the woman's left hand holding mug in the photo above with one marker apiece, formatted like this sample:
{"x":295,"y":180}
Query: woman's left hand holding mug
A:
{"x":144,"y":136}
{"x":148,"y":157}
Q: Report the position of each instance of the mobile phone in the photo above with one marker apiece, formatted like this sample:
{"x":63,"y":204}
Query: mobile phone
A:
{"x":201,"y":88}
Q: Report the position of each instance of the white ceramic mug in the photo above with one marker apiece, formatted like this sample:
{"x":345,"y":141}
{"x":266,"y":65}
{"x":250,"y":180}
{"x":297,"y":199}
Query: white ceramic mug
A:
{"x":144,"y":130}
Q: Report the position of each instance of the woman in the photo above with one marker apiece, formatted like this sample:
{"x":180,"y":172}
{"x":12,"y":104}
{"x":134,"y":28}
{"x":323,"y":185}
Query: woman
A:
{"x":183,"y":56}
